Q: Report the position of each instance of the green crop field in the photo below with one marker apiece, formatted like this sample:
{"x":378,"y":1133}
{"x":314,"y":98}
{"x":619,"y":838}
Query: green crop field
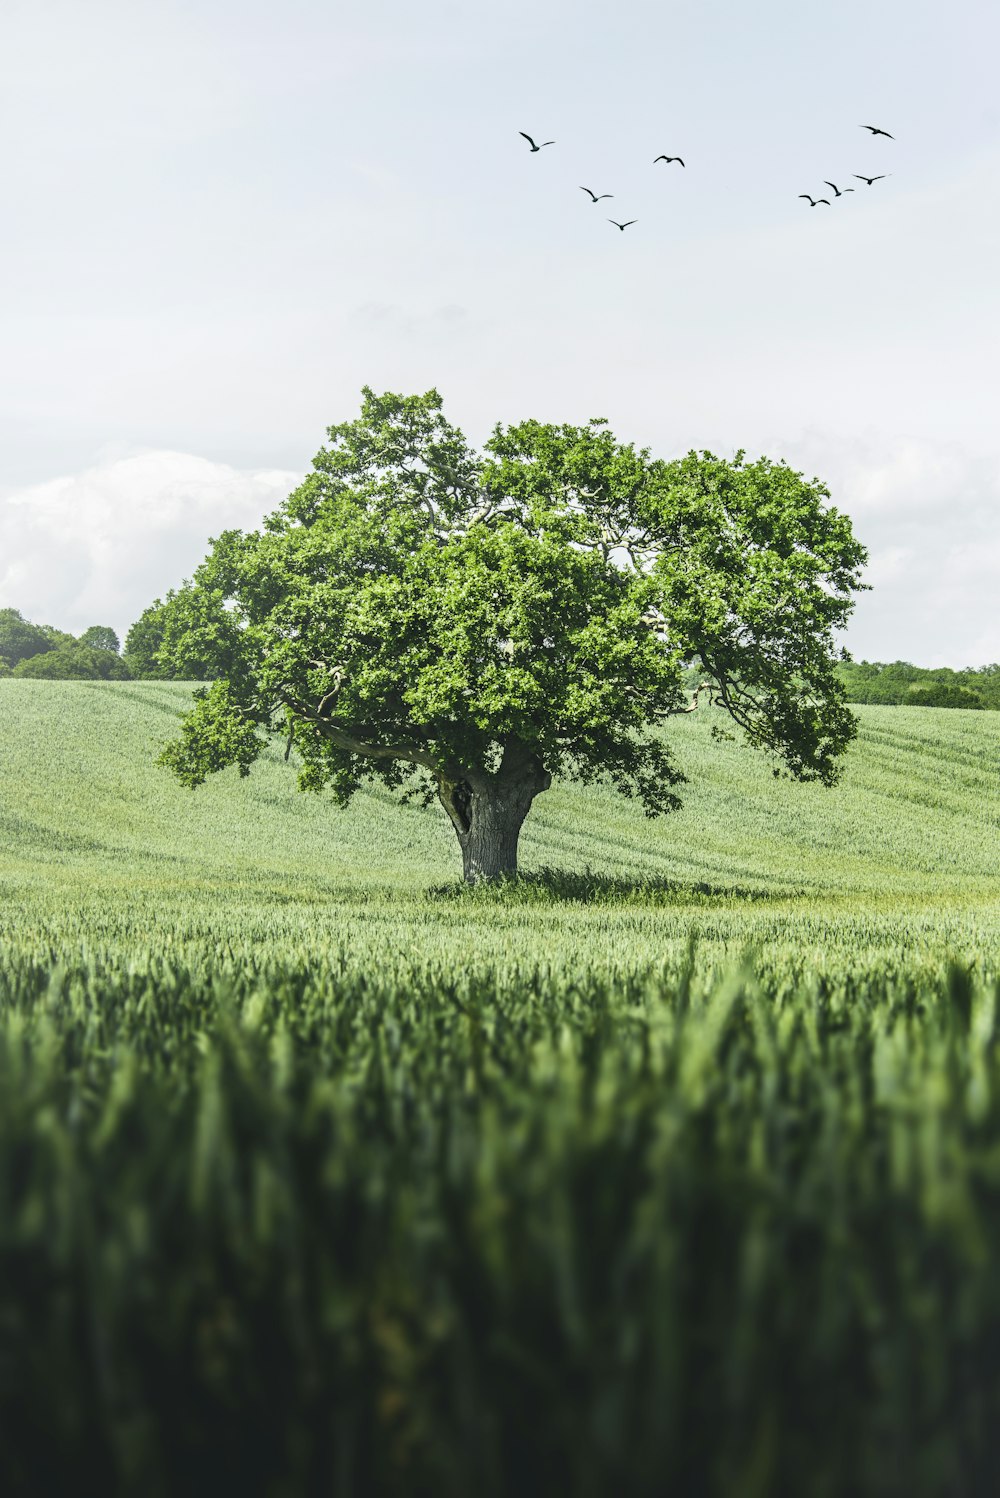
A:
{"x":102,"y":850}
{"x":674,"y":1168}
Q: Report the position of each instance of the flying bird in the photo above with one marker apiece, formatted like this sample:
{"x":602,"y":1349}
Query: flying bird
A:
{"x":668,"y":159}
{"x":876,"y":131}
{"x":531,"y":143}
{"x":623,"y":226}
{"x":838,"y":190}
{"x":870,"y":180}
{"x":814,"y":201}
{"x":595,"y":197}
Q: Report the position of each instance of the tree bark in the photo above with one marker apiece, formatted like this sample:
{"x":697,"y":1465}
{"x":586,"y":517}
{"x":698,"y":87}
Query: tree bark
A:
{"x":488,"y":812}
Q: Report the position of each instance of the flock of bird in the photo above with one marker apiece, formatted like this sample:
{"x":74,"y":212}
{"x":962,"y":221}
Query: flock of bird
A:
{"x":839,"y":192}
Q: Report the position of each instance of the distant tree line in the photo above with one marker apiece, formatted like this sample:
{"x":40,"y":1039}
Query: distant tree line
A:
{"x":898,"y":684}
{"x":42,"y":651}
{"x":45,"y":653}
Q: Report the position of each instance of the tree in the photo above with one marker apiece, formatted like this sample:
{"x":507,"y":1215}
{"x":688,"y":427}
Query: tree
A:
{"x":101,"y":637}
{"x":154,"y":638}
{"x":73,"y":662}
{"x":57,"y":638}
{"x":143,"y":641}
{"x":918,"y":686}
{"x":18,"y":639}
{"x":467,"y":627}
{"x":943,"y":694}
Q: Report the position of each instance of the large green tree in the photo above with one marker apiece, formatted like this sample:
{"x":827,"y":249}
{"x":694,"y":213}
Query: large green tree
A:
{"x":466,"y":627}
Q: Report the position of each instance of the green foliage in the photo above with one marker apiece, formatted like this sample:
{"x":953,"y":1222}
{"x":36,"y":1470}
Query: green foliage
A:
{"x":19,"y":640}
{"x":73,"y":662}
{"x":46,"y":653}
{"x":143,"y":640}
{"x":942,"y":694}
{"x":759,"y":577}
{"x":214,"y":735}
{"x":173,"y":640}
{"x":917,"y":686}
{"x":101,"y":637}
{"x":414,"y":607}
{"x":57,"y":637}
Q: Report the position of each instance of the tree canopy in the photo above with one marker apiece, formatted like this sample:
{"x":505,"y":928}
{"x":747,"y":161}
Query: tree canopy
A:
{"x":73,"y":662}
{"x":467,"y":626}
{"x":19,"y":639}
{"x":898,"y":683}
{"x":101,"y":637}
{"x":151,"y":643}
{"x":40,"y":650}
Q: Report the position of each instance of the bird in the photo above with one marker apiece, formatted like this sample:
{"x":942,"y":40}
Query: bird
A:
{"x":595,"y":197}
{"x":814,"y":201}
{"x":531,"y":143}
{"x":623,"y":226}
{"x":876,"y":131}
{"x":838,"y":190}
{"x":870,"y":180}
{"x":668,"y":159}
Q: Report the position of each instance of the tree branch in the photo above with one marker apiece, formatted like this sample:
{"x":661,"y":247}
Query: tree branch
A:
{"x":412,"y":753}
{"x":738,"y":703}
{"x":702,"y":686}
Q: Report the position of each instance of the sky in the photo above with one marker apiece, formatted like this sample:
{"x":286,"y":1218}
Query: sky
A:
{"x":223,"y":219}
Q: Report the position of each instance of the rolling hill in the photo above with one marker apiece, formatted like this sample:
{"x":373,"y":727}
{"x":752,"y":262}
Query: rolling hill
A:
{"x":95,"y":836}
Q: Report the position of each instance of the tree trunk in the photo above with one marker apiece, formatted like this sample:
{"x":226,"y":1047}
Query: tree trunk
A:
{"x":488,"y":812}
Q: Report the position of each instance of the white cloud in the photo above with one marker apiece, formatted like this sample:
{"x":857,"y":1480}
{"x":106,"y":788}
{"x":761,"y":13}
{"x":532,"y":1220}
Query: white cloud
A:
{"x":927,"y":510}
{"x":98,"y":546}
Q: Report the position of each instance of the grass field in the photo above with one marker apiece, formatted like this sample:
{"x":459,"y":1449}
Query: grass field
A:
{"x":674,"y":1169}
{"x":898,"y":864}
